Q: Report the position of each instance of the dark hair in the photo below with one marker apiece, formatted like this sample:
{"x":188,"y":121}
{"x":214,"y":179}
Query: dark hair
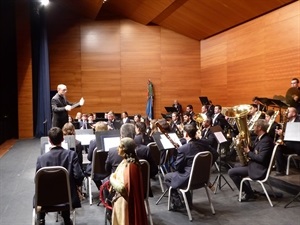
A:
{"x":296,"y":79}
{"x":209,"y":120}
{"x":141,"y":126}
{"x":55,"y":135}
{"x":125,"y":113}
{"x":164,"y":125}
{"x":219,"y":106}
{"x":190,"y":106}
{"x":270,"y":112}
{"x":186,"y":113}
{"x":254,"y":106}
{"x":190,"y":129}
{"x":254,"y":98}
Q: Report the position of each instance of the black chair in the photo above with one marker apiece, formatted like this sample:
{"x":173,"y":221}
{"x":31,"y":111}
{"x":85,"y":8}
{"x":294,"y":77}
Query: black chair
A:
{"x":199,"y":177}
{"x":52,"y":191}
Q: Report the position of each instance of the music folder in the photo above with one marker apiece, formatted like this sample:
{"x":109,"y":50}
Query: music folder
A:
{"x":170,"y":109}
{"x":204,"y":100}
{"x":218,"y":132}
{"x":292,"y":132}
{"x":163,"y":143}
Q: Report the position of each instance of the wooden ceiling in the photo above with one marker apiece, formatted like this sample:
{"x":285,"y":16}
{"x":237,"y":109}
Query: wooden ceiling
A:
{"x":197,"y":19}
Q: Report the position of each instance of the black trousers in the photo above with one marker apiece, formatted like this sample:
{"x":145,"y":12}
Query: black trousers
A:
{"x":237,"y":174}
{"x":64,"y":214}
{"x":289,"y":147}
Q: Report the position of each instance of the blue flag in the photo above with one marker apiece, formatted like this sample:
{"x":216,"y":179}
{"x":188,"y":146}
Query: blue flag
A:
{"x":149,"y":106}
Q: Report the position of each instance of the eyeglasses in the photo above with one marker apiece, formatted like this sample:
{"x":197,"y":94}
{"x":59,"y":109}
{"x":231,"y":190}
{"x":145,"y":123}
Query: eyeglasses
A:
{"x":294,"y":82}
{"x":64,"y":89}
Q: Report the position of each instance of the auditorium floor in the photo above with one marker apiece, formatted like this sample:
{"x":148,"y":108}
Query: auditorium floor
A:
{"x":17,"y":169}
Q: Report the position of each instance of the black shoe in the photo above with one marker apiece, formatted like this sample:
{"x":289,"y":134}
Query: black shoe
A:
{"x":278,"y":173}
{"x":176,"y":207}
{"x":70,"y":222}
{"x":247,"y":197}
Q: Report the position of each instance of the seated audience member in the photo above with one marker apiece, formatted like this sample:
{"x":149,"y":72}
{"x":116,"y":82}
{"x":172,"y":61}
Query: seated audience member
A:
{"x":140,"y":134}
{"x":59,"y":156}
{"x":99,"y":126}
{"x":289,"y":147}
{"x":127,"y":181}
{"x":183,"y":164}
{"x":69,"y":129}
{"x":259,"y":158}
{"x":125,"y":118}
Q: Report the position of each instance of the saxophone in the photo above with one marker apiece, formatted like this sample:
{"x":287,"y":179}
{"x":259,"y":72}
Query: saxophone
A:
{"x":281,"y":136}
{"x":239,"y":113}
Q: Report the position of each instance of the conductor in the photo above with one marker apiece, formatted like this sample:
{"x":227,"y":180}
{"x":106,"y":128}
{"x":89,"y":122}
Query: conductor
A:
{"x":60,"y":106}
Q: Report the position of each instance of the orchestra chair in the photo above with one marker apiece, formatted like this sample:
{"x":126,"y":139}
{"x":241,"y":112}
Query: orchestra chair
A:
{"x":145,"y":167}
{"x":155,"y":153}
{"x":98,"y":166}
{"x":265,"y":180}
{"x":52,"y":192}
{"x":199,"y":177}
{"x":289,"y":157}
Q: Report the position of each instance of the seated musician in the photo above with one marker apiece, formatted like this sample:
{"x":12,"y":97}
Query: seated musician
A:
{"x":188,"y":119}
{"x":99,"y":126}
{"x":112,"y":123}
{"x":259,"y":156}
{"x":175,"y":123}
{"x":218,"y":118}
{"x":207,"y":136}
{"x":296,"y":97}
{"x":260,"y":107}
{"x":58,"y":156}
{"x":289,"y":147}
{"x":204,"y":110}
{"x":190,"y":110}
{"x":140,"y":134}
{"x":183,"y":164}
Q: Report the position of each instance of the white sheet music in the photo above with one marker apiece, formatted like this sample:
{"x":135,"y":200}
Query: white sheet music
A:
{"x":49,"y":146}
{"x":111,"y":142}
{"x":166,"y":143}
{"x":292,"y":132}
{"x":220,"y":137}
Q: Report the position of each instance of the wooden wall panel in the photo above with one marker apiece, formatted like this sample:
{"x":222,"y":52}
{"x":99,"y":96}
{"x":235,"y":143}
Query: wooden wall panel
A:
{"x":258,"y":58}
{"x":25,"y":110}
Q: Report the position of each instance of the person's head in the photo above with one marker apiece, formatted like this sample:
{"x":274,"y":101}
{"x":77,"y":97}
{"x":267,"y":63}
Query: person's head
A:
{"x":127,"y":130}
{"x":269,"y":114}
{"x":189,"y":130}
{"x":61,"y":89}
{"x":207,"y":122}
{"x":175,"y":102}
{"x":164,"y":124}
{"x":255,"y":100}
{"x":204,"y":109}
{"x":78,"y":115}
{"x":68,"y":129}
{"x":55,"y":136}
{"x":292,"y":113}
{"x":137,"y":118}
{"x":70,"y":119}
{"x":260,"y":127}
{"x":189,"y":108}
{"x":218,"y":109}
{"x":90,"y":118}
{"x":175,"y":116}
{"x":140,"y":127}
{"x":186,"y":116}
{"x":295,"y":82}
{"x":124,"y":115}
{"x":153,"y":125}
{"x":253,"y":109}
{"x":110,"y":115}
{"x":84,"y":116}
{"x":101,"y":126}
{"x":127,"y":149}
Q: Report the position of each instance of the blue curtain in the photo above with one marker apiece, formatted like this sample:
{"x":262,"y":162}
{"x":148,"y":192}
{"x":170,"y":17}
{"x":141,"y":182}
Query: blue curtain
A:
{"x":40,"y":70}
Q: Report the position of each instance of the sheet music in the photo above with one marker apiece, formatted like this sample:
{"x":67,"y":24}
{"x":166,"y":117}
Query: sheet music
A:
{"x":49,"y":146}
{"x":166,"y":143}
{"x":292,"y":132}
{"x":111,"y":142}
{"x":220,"y":137}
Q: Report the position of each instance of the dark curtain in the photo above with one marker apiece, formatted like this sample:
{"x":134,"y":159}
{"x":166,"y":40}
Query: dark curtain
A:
{"x":40,"y":70}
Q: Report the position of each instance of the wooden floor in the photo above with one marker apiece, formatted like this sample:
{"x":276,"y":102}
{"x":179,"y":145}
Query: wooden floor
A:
{"x":6,"y":146}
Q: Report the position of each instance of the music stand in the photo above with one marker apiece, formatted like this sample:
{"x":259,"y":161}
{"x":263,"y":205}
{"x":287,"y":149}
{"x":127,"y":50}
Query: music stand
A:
{"x":204,"y":100}
{"x":170,"y":109}
{"x":218,"y":132}
{"x":281,"y":105}
{"x":292,"y":133}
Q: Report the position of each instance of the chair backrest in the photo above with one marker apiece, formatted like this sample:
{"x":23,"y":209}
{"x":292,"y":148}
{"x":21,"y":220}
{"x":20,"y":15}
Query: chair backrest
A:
{"x":84,"y":131}
{"x":70,"y":139}
{"x":52,"y":187}
{"x":155,"y":153}
{"x":271,"y":163}
{"x":44,"y":141}
{"x":145,"y":167}
{"x":200,"y":172}
{"x":98,"y":162}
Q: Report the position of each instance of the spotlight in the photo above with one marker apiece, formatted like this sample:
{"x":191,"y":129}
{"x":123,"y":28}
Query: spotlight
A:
{"x":44,"y":2}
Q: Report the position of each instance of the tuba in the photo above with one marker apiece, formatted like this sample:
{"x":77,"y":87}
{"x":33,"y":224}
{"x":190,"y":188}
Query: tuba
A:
{"x":239,"y":113}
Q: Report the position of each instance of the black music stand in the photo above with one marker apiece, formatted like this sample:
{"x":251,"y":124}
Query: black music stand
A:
{"x":218,"y":132}
{"x":170,"y":109}
{"x":292,"y":133}
{"x":204,"y":100}
{"x":281,"y":105}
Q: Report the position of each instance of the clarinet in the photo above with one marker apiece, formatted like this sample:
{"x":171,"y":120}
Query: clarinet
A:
{"x":167,"y":135}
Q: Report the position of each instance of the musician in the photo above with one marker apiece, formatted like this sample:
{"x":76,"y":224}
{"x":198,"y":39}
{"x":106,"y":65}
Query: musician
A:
{"x":83,"y":124}
{"x":204,"y":111}
{"x":259,"y":158}
{"x":59,"y":156}
{"x":60,"y":106}
{"x":273,"y":125}
{"x":295,"y":83}
{"x":190,"y":110}
{"x":112,"y":123}
{"x":207,"y":136}
{"x":183,"y":164}
{"x":175,"y":123}
{"x":178,"y":106}
{"x":210,"y":108}
{"x":188,"y":119}
{"x":218,"y":117}
{"x":140,"y":134}
{"x":289,"y":147}
{"x":296,"y":97}
{"x":125,"y":118}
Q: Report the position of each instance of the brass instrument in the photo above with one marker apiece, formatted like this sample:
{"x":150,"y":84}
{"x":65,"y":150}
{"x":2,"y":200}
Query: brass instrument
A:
{"x":239,"y":113}
{"x":281,"y":136}
{"x":292,"y":96}
{"x":254,"y":118}
{"x":199,"y":118}
{"x":272,"y":120}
